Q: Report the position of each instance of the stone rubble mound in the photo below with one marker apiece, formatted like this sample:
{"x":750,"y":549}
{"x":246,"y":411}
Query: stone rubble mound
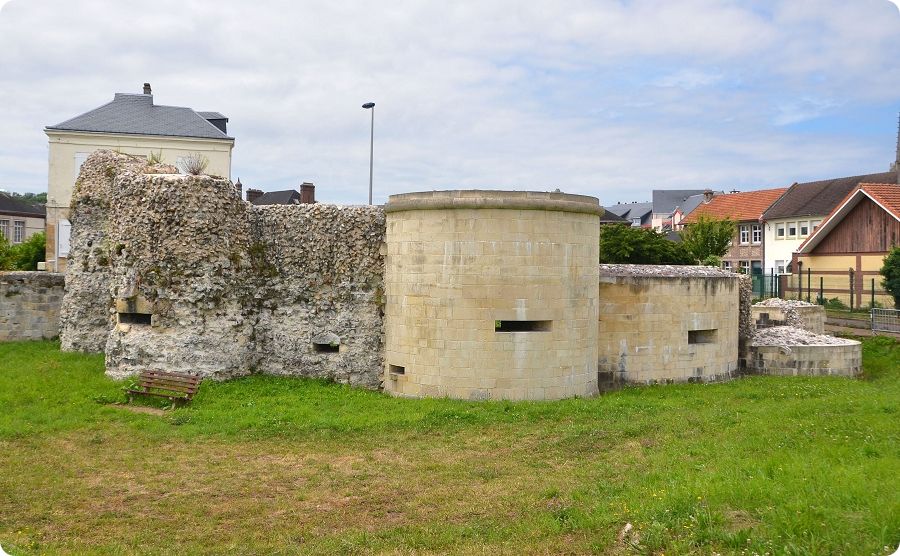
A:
{"x":664,"y":271}
{"x":792,"y":316}
{"x":792,"y":336}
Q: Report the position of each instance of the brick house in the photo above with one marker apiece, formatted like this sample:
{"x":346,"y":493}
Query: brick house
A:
{"x":747,"y":251}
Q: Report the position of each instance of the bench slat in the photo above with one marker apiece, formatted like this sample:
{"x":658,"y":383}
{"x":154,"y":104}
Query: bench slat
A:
{"x":174,"y":386}
{"x":167,"y":384}
{"x":174,"y":378}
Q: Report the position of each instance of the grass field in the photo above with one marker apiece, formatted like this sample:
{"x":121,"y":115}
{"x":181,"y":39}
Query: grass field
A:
{"x":265,"y":465}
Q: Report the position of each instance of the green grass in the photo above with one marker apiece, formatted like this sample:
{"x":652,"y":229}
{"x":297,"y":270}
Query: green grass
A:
{"x":266,"y":465}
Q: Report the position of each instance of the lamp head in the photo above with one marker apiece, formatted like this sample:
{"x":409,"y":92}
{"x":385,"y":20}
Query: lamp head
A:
{"x":368,"y":105}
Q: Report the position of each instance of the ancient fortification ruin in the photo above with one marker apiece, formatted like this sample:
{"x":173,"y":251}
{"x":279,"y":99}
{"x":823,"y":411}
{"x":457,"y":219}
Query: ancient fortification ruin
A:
{"x":467,"y":294}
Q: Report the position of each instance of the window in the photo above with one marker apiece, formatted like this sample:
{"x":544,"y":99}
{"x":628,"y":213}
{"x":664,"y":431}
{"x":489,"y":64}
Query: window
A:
{"x":792,"y":229}
{"x":804,"y":229}
{"x":636,"y":222}
{"x":4,"y":228}
{"x":779,"y":231}
{"x":745,"y":267}
{"x":79,"y":160}
{"x":756,"y":232}
{"x":19,"y":231}
{"x":745,"y":235}
{"x":815,"y":224}
{"x":756,"y":267}
{"x":779,"y":266}
{"x":726,"y":265}
{"x":63,"y":234}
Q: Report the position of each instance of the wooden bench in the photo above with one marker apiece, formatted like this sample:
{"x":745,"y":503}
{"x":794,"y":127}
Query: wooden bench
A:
{"x":177,"y":387}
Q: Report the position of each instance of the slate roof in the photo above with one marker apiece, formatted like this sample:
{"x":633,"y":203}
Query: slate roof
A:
{"x":885,"y":194}
{"x":631,"y":210}
{"x":694,"y":201}
{"x":136,"y":114}
{"x":817,"y":198}
{"x":665,"y":201}
{"x":286,"y":197}
{"x":212,"y":115}
{"x":18,"y":207}
{"x":739,"y":207}
{"x":610,"y":217}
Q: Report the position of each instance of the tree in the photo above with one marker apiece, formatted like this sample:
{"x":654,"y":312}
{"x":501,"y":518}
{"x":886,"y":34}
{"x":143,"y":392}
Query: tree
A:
{"x":22,"y":256}
{"x":622,"y":244}
{"x":891,"y":273}
{"x":33,"y":198}
{"x":708,"y":238}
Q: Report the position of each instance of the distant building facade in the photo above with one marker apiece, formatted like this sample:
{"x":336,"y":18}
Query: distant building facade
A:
{"x":131,"y":124}
{"x":19,"y":220}
{"x":796,"y":214}
{"x":747,"y":251}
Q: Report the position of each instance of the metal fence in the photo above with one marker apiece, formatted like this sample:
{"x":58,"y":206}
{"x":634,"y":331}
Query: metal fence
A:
{"x":838,"y":289}
{"x":886,"y":320}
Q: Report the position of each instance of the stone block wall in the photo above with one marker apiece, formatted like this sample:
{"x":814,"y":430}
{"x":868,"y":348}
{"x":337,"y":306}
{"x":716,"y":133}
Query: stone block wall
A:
{"x":809,"y":360}
{"x":29,"y":305}
{"x":176,"y":273}
{"x":491,"y":295}
{"x":661,"y":324}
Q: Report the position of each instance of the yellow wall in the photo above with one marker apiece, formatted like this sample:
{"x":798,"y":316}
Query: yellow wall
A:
{"x":842,"y":263}
{"x":65,"y":146}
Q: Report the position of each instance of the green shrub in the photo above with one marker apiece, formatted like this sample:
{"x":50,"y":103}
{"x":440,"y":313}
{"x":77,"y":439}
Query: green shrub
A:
{"x":891,"y":273}
{"x":621,"y":244}
{"x":836,"y":303}
{"x":22,"y":256}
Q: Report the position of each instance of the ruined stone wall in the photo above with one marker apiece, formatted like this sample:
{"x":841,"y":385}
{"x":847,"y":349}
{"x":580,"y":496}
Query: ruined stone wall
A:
{"x":29,"y":305}
{"x":177,"y":273}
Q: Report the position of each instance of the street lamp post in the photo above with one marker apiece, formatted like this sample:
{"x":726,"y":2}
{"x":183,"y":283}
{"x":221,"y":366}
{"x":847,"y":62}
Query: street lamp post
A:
{"x":371,"y":106}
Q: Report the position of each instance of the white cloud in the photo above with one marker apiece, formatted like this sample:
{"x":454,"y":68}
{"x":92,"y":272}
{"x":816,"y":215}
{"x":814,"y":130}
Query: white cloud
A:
{"x":603,"y":98}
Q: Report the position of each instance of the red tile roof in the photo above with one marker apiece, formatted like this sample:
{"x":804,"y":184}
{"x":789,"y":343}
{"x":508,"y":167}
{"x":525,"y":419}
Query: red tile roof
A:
{"x":885,"y":194}
{"x":739,"y":207}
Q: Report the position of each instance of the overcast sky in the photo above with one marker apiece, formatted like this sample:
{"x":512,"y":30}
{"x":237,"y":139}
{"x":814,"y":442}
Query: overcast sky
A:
{"x":605,"y":98}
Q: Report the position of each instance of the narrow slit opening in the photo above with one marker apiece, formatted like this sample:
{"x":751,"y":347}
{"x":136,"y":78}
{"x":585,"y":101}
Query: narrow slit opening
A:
{"x":702,"y":336}
{"x":396,"y":370}
{"x":134,"y":318}
{"x":326,"y":348}
{"x":522,"y":325}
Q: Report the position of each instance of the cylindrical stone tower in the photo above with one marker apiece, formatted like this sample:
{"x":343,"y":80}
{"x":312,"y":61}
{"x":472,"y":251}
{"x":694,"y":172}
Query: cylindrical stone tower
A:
{"x":491,"y":294}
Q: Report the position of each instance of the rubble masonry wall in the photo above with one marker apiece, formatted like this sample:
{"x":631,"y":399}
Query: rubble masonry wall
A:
{"x":178,"y":273}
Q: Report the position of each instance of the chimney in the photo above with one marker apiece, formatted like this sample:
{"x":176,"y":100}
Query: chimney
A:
{"x":147,"y":89}
{"x":240,"y":188}
{"x":253,"y":194}
{"x":307,"y":193}
{"x":708,"y":195}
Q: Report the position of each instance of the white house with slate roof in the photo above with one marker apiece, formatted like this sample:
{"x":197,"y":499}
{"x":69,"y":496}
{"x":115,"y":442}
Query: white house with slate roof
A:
{"x":130,"y":124}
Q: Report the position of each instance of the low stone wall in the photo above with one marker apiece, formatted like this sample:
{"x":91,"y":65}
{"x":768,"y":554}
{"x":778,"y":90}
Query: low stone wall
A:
{"x":811,"y":360}
{"x":663,"y":324}
{"x":29,"y":305}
